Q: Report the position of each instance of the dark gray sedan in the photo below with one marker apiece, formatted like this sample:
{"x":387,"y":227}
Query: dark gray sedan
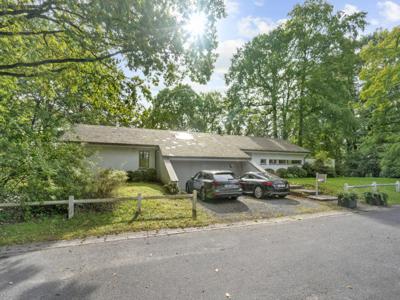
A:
{"x":214,"y":184}
{"x":264,"y":184}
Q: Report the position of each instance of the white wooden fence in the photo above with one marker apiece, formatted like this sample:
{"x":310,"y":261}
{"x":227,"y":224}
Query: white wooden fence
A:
{"x":374,"y":186}
{"x":72,"y":201}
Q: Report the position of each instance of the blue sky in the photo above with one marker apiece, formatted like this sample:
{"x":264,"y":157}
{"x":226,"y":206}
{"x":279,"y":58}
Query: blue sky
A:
{"x":247,"y":18}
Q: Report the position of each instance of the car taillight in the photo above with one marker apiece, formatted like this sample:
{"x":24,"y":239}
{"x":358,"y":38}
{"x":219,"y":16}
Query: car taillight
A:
{"x":216,"y":183}
{"x":267,"y":183}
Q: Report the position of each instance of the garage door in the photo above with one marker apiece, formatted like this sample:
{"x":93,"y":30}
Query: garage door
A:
{"x":186,"y":169}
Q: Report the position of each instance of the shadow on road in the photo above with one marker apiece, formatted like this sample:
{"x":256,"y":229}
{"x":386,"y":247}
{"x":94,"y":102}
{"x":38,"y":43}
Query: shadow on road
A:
{"x":388,"y":216}
{"x":15,"y":272}
{"x":58,"y":289}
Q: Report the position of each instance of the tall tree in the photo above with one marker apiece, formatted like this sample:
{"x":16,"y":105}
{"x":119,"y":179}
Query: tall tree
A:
{"x":380,"y":97}
{"x":181,"y":108}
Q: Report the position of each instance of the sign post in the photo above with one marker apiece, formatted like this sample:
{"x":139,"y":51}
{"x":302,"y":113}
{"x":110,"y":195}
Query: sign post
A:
{"x":319,"y":178}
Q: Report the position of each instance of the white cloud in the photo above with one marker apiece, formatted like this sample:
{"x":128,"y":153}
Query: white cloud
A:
{"x":231,"y":7}
{"x":374,"y":22}
{"x":226,"y":49}
{"x":350,"y":9}
{"x":259,"y":3}
{"x":390,"y":10}
{"x":252,"y":26}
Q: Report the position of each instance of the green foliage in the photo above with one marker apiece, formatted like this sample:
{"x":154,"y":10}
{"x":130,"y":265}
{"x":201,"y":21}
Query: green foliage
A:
{"x":282,"y":173}
{"x":171,"y":188}
{"x":143,"y":175}
{"x":296,"y":172}
{"x":181,"y":108}
{"x":320,"y":167}
{"x":106,"y":181}
{"x":298,"y":81}
{"x":309,"y":169}
{"x":379,"y":199}
{"x":104,"y":29}
{"x":362,"y":163}
{"x":391,"y":161}
{"x":348,"y":200}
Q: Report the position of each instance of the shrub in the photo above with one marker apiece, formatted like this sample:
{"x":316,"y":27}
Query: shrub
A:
{"x":320,"y":167}
{"x":282,"y":172}
{"x":171,"y":188}
{"x":296,"y":172}
{"x":348,"y":200}
{"x":147,"y":175}
{"x":106,"y":181}
{"x":376,"y":198}
{"x":270,"y":171}
{"x":308,"y":168}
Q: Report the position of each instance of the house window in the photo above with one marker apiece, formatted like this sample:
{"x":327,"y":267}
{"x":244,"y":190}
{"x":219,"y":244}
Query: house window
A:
{"x":296,"y":162}
{"x":144,"y":159}
{"x":282,"y":162}
{"x":263,"y":161}
{"x":273,"y":161}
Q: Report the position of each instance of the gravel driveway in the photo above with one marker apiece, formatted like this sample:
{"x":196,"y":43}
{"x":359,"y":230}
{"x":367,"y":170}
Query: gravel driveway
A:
{"x":247,"y":207}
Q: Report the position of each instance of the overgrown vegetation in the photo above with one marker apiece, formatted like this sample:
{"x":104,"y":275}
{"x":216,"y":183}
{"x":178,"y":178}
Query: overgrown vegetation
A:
{"x":148,"y":175}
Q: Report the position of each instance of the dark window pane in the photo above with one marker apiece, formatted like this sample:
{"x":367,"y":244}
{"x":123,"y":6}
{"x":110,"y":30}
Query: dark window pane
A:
{"x":144,"y":159}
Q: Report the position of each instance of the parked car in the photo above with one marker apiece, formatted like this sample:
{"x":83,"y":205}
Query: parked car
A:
{"x":214,"y":184}
{"x":264,"y":185}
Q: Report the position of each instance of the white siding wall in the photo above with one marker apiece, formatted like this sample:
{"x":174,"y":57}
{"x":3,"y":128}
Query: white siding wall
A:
{"x":119,"y":157}
{"x":257,"y":156}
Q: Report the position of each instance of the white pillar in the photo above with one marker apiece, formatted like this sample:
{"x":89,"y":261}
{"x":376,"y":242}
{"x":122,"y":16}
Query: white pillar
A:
{"x":70,"y":207}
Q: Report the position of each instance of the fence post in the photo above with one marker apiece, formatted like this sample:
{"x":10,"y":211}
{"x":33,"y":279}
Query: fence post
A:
{"x":194,"y":209}
{"x":346,"y":187}
{"x":316,"y":184}
{"x":398,"y":186}
{"x":139,"y":204}
{"x":70,"y":207}
{"x":374,"y":187}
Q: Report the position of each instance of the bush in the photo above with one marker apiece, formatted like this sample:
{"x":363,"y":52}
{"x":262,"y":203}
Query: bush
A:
{"x":348,"y":200}
{"x":308,"y":168}
{"x":171,"y":188}
{"x":147,"y":175}
{"x":296,"y":172}
{"x":319,"y":167}
{"x":376,"y":198}
{"x":282,"y":172}
{"x":106,"y":181}
{"x":270,"y":171}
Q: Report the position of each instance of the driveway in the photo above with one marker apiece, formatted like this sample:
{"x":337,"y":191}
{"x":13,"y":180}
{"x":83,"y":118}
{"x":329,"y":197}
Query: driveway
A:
{"x":248,"y":207}
{"x":348,"y":256}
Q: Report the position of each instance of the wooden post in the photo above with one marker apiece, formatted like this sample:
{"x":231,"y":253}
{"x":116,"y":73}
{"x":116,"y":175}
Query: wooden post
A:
{"x":398,"y":186}
{"x":346,"y":187}
{"x":70,"y":207}
{"x":374,"y":187}
{"x":139,"y":204}
{"x":194,"y":209}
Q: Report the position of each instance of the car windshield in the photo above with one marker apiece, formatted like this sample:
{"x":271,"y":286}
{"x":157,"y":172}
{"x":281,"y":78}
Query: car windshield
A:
{"x":223,"y":176}
{"x":267,"y":176}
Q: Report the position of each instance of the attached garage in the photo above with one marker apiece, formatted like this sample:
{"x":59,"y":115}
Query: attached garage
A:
{"x":186,"y":168}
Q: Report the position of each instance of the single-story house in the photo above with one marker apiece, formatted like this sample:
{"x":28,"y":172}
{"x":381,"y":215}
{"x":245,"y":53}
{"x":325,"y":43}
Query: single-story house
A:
{"x":178,"y":155}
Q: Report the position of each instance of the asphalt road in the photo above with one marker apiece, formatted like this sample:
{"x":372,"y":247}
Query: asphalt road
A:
{"x":354,"y":256}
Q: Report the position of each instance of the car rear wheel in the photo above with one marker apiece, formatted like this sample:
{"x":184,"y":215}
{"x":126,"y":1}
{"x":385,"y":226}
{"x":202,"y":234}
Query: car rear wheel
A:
{"x":258,"y":192}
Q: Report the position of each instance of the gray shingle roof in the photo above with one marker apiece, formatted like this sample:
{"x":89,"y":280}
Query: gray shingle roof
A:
{"x":179,"y":143}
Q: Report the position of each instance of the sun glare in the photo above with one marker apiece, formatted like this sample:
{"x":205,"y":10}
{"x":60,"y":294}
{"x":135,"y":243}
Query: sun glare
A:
{"x":196,"y":25}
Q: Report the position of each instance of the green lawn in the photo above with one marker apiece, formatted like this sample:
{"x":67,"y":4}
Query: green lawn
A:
{"x":335,"y":185}
{"x":156,"y":214}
